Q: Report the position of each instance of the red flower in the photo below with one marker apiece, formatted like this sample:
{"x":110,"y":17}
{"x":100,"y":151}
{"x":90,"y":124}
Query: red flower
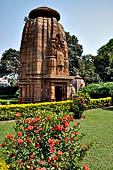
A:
{"x":12,"y":155}
{"x":59,"y":153}
{"x":32,"y":156}
{"x":41,"y":162}
{"x":66,"y":124}
{"x":51,"y":150}
{"x":40,"y":129}
{"x":37,"y":146}
{"x":51,"y":141}
{"x":85,"y":167}
{"x":86,"y":147}
{"x":19,"y":141}
{"x":19,"y":121}
{"x":29,"y":139}
{"x":71,"y":150}
{"x":19,"y":133}
{"x":9,"y":136}
{"x":66,"y":129}
{"x":67,"y":156}
{"x":75,"y":125}
{"x":76,"y":133}
{"x":66,"y":139}
{"x":2,"y":145}
{"x":18,"y":114}
{"x":35,"y":131}
{"x":19,"y":162}
{"x":59,"y":127}
{"x":30,"y":127}
{"x":48,"y":117}
{"x":25,"y":129}
{"x":38,"y":138}
{"x":37,"y":119}
{"x":39,"y":168}
{"x":28,"y":120}
{"x":55,"y":157}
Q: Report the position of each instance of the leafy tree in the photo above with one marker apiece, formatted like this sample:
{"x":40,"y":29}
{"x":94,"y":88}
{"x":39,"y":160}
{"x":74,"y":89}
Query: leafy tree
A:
{"x":75,"y":51}
{"x":9,"y":63}
{"x":104,"y":62}
{"x":87,"y":70}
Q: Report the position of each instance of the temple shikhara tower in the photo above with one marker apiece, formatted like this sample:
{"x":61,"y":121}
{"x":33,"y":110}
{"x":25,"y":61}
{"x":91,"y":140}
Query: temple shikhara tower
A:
{"x":43,"y":68}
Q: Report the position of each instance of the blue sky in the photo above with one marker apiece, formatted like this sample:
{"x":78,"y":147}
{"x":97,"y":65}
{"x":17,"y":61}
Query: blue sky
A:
{"x":90,"y":20}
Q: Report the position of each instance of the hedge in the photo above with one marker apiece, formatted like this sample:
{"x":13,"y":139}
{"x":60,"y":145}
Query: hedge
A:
{"x":8,"y":112}
{"x":102,"y":102}
{"x":6,"y":102}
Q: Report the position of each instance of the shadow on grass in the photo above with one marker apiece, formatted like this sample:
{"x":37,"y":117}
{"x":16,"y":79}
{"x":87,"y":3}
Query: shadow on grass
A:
{"x":108,"y":108}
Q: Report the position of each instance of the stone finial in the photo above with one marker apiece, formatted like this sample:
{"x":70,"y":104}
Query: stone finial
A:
{"x":44,"y":12}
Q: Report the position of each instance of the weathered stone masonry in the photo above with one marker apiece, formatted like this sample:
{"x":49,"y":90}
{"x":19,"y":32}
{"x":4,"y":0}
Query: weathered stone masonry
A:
{"x":43,"y":68}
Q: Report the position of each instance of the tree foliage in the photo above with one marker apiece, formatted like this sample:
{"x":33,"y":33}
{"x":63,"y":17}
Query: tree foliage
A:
{"x":87,"y":69}
{"x":9,"y":63}
{"x":104,"y":61}
{"x":75,"y":51}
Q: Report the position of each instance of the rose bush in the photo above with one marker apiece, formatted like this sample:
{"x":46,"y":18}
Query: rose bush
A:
{"x":45,"y":142}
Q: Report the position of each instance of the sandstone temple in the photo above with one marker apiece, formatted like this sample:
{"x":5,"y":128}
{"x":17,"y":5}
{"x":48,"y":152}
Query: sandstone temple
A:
{"x":43,"y":67}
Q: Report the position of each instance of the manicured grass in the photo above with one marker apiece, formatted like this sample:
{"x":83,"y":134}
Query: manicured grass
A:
{"x":6,"y":127}
{"x":98,"y":127}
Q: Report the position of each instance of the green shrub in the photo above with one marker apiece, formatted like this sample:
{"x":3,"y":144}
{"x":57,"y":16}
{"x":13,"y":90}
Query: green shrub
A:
{"x":80,"y":103}
{"x":17,"y":93}
{"x":45,"y":141}
{"x":8,"y":112}
{"x":99,"y":90}
{"x":6,"y":102}
{"x":102,"y":102}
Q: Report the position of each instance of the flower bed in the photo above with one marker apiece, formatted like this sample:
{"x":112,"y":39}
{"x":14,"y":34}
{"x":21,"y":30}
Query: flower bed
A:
{"x":44,"y":142}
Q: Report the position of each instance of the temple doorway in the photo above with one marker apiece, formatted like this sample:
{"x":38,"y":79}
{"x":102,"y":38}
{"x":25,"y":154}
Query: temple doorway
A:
{"x":58,"y":93}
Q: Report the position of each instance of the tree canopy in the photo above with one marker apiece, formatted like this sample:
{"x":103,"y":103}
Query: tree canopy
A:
{"x":75,"y":51}
{"x":9,"y":63}
{"x":104,"y":61}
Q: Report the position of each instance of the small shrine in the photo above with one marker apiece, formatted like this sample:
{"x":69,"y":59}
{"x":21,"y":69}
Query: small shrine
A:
{"x":44,"y":67}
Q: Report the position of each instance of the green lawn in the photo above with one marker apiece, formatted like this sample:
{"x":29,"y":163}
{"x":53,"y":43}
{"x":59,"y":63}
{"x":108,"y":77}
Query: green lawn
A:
{"x":98,"y":127}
